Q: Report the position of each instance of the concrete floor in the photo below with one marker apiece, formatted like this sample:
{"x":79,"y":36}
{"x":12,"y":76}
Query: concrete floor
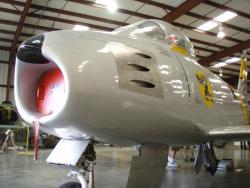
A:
{"x":20,"y":171}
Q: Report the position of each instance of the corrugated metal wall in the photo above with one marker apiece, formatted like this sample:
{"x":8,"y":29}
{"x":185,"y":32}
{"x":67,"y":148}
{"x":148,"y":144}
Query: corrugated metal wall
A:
{"x":4,"y":56}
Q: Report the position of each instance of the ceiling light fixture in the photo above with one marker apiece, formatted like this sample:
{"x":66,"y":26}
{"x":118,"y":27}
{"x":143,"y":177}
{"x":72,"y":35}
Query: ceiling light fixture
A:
{"x":228,"y":15}
{"x":232,"y":60}
{"x":80,"y":28}
{"x":220,"y":73}
{"x":111,"y":5}
{"x":221,"y":33}
{"x":224,"y":63}
{"x":225,"y":16}
{"x":208,"y":25}
{"x":218,"y":65}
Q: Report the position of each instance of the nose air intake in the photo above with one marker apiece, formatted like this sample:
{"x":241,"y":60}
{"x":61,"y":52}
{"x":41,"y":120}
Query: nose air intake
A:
{"x":40,"y":82}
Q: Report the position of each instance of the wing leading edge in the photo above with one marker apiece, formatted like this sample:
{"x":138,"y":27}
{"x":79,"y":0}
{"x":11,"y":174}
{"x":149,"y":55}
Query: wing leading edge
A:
{"x":237,"y":133}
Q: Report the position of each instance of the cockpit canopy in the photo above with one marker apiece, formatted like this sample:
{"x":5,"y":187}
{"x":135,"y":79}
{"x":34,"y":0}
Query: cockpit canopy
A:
{"x":157,"y":30}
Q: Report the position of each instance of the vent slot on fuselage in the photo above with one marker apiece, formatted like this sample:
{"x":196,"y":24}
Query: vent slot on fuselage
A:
{"x":137,"y":70}
{"x":138,"y":67}
{"x":141,"y":83}
{"x":143,"y":55}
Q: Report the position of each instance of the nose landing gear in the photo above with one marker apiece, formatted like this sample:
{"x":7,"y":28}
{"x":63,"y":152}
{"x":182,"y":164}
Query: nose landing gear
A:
{"x":83,"y":172}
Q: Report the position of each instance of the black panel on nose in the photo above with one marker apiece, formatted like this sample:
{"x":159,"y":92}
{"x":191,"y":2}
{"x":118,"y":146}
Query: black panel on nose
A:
{"x":31,"y":50}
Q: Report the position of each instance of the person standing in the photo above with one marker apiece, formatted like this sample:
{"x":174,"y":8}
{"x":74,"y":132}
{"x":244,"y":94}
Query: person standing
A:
{"x":171,"y":158}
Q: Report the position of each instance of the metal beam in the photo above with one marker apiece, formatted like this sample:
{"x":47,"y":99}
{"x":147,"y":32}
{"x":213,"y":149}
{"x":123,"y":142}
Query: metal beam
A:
{"x":204,"y":49}
{"x":5,"y":40}
{"x":79,"y":15}
{"x":4,"y":62}
{"x":201,"y":57}
{"x":181,"y":10}
{"x":205,"y":18}
{"x":83,"y":15}
{"x":157,"y":4}
{"x":9,"y":22}
{"x":70,"y":21}
{"x":198,"y":16}
{"x":11,"y":11}
{"x":218,"y":72}
{"x":39,"y":27}
{"x":161,"y":5}
{"x":84,"y":2}
{"x":18,"y":3}
{"x":13,"y":47}
{"x":124,"y":11}
{"x":120,"y":23}
{"x":204,"y":32}
{"x":227,"y":52}
{"x":44,"y":28}
{"x":223,"y":7}
{"x":5,"y":86}
{"x":67,"y":21}
{"x":60,"y":11}
{"x":9,"y":32}
{"x":230,"y":69}
{"x":227,"y":69}
{"x":5,"y":48}
{"x":207,"y":43}
{"x":13,"y":23}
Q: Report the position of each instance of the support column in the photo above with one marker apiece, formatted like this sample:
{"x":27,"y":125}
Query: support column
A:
{"x":148,"y":170}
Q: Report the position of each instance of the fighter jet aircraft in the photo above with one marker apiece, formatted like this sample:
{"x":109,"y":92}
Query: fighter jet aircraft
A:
{"x":138,"y":85}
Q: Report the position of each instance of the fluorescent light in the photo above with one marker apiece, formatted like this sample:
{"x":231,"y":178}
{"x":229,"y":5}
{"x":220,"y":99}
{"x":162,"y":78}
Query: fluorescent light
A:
{"x":110,"y":4}
{"x":221,"y":18}
{"x":208,"y":25}
{"x":228,"y":61}
{"x":218,"y":65}
{"x":225,"y":16}
{"x":80,"y":28}
{"x":232,"y":60}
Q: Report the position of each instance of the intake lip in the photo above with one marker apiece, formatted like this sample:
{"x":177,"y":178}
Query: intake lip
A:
{"x":31,"y":51}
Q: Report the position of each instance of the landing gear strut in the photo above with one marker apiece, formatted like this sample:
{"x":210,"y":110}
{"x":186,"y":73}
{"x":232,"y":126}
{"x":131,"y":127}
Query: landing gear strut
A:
{"x":84,"y":170}
{"x":206,"y":157}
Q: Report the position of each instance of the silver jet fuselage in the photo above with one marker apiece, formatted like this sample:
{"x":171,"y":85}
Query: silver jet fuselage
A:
{"x":121,"y":87}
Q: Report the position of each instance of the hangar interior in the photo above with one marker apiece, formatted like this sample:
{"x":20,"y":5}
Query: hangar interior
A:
{"x":43,"y":16}
{"x":218,"y":29}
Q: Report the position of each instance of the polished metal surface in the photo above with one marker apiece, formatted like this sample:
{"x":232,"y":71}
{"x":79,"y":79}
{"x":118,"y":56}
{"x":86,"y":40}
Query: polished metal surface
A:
{"x":67,"y":152}
{"x":186,"y":103}
{"x":112,"y":169}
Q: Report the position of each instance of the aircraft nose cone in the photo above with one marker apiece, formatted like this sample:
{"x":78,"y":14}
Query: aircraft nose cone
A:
{"x":31,"y":50}
{"x":50,"y":91}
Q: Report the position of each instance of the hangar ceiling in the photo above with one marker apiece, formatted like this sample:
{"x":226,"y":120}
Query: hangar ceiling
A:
{"x":20,"y":19}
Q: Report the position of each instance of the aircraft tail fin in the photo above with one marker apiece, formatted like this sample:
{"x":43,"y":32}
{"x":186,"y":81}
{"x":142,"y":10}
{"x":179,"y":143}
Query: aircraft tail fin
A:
{"x":242,"y":84}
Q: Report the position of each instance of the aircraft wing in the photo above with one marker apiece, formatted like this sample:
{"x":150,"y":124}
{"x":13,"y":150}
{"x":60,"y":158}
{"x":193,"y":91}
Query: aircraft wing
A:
{"x":236,"y":133}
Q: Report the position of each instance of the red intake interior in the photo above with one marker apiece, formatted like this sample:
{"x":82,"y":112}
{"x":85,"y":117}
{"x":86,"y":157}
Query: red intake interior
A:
{"x":50,"y":91}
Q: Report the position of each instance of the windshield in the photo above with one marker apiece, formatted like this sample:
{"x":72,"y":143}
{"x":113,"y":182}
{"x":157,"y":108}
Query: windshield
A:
{"x":157,"y":30}
{"x":150,"y":29}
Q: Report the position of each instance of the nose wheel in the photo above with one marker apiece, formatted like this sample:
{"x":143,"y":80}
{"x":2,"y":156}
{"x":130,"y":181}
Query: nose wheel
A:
{"x":83,"y":172}
{"x":71,"y":185}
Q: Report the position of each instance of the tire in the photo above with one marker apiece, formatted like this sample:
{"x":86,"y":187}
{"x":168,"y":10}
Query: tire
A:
{"x":71,"y":185}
